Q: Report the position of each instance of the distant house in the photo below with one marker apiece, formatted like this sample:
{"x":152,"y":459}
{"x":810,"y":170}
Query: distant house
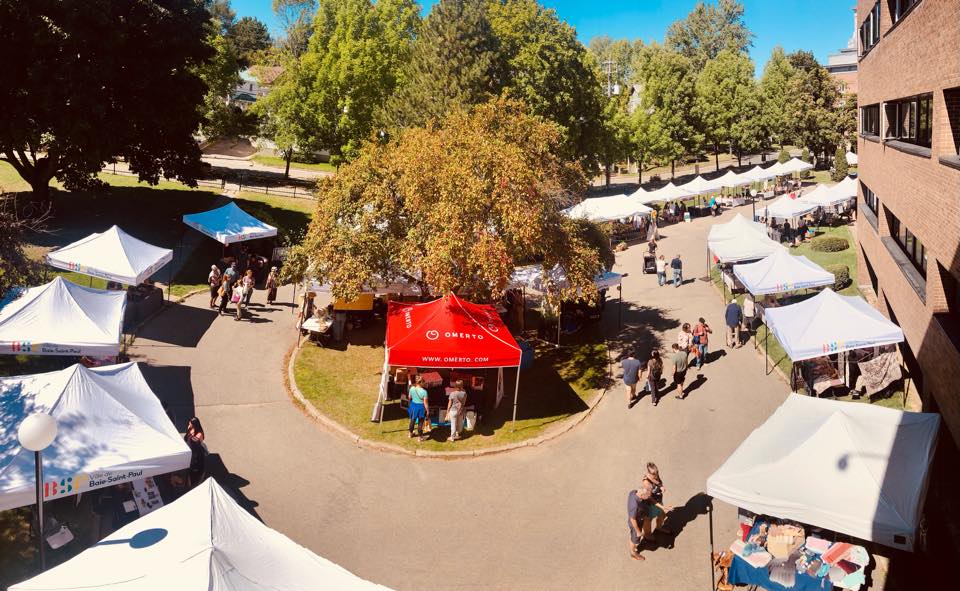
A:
{"x":843,"y":64}
{"x":255,"y":82}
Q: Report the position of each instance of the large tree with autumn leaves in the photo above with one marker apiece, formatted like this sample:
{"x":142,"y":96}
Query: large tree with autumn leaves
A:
{"x":453,"y":207}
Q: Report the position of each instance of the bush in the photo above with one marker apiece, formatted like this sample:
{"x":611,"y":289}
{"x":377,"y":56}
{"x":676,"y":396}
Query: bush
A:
{"x":841,"y":274}
{"x":784,"y":156}
{"x":829,"y":244}
{"x":805,"y":156}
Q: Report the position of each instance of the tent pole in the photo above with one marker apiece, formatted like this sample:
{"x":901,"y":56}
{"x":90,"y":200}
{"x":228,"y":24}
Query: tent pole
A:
{"x":766,"y":337}
{"x":523,"y":316}
{"x":516,"y":391}
{"x":620,"y":306}
{"x":713,"y":579}
{"x":384,"y":380}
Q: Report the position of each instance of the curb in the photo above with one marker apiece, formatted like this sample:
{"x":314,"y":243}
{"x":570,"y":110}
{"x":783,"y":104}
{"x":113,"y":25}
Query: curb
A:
{"x":291,"y":384}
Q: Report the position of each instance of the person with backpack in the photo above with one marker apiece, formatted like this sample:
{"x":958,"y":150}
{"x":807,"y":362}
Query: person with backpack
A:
{"x":654,"y":369}
{"x":224,"y":293}
{"x":700,"y":341}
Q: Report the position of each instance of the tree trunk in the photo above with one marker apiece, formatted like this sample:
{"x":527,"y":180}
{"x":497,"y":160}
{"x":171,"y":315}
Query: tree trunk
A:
{"x":739,"y":158}
{"x":286,"y":172}
{"x":41,"y":190}
{"x":716,"y":155}
{"x":606,"y":174}
{"x":640,"y":170}
{"x":672,"y":168}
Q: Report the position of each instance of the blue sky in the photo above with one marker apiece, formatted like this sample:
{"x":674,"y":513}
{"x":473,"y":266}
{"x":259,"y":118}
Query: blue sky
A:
{"x":821,"y":26}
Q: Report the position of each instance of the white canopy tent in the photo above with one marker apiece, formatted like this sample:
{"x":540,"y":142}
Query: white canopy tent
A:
{"x":731,"y":180}
{"x":746,"y":247}
{"x":202,"y":541}
{"x":532,"y":277}
{"x":851,"y":158}
{"x":699,"y":186}
{"x":113,"y":255}
{"x":846,"y":188}
{"x":822,"y":196}
{"x":669,"y":192}
{"x":781,"y":272}
{"x":640,"y":193}
{"x":786,"y":208}
{"x":608,"y":209}
{"x":229,"y":224}
{"x":735,"y":228}
{"x":759,"y":174}
{"x":793,"y":165}
{"x":830,"y":323}
{"x":63,"y":318}
{"x":855,"y":469}
{"x":111,"y":429}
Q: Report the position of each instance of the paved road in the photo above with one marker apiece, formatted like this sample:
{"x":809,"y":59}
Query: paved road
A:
{"x":551,"y":517}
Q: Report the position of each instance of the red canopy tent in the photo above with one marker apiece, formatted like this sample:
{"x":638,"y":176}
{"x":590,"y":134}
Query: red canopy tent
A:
{"x":447,"y":333}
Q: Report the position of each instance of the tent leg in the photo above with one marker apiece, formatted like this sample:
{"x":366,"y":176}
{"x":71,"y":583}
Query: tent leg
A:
{"x":384,"y":380}
{"x":766,"y":337}
{"x":620,"y":307}
{"x":516,"y":391}
{"x":713,"y":579}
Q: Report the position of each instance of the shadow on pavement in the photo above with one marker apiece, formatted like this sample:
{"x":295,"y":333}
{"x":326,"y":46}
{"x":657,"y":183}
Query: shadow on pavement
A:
{"x":178,"y":325}
{"x":231,"y":482}
{"x":678,"y":519}
{"x":172,"y":386}
{"x":639,"y":329}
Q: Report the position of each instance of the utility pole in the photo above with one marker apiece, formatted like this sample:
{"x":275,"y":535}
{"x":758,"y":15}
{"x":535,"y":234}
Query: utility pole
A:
{"x":608,"y":65}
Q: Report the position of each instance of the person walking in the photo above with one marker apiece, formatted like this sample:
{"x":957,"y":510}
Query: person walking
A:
{"x":213,"y":280}
{"x":677,"y":265}
{"x":194,"y":438}
{"x":631,"y":376}
{"x":248,"y":285}
{"x":637,"y":514}
{"x":679,"y":358}
{"x":749,"y":312}
{"x":733,"y":317}
{"x":237,"y":298}
{"x":656,"y":511}
{"x":661,"y":270}
{"x":654,"y":370}
{"x":271,"y":285}
{"x":224,"y":293}
{"x":231,"y":273}
{"x":701,"y":339}
{"x":456,"y":400}
{"x":419,"y":408}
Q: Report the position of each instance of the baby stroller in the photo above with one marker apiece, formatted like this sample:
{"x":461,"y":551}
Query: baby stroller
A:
{"x":649,"y":262}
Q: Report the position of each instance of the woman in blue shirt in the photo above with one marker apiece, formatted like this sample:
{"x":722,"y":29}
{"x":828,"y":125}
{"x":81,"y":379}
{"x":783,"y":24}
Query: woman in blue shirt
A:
{"x":419,"y":407}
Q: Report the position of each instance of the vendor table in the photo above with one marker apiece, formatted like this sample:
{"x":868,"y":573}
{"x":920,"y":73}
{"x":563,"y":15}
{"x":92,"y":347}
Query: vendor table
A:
{"x":742,"y":573}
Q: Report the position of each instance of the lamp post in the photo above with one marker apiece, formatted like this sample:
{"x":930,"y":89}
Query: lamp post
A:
{"x":36,"y":433}
{"x":753,"y":204}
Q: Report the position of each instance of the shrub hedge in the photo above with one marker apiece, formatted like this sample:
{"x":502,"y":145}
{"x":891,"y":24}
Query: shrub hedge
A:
{"x":829,"y":244}
{"x":841,"y":274}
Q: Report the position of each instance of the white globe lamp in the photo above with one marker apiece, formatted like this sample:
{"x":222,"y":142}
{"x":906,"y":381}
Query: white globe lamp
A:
{"x":36,"y":433}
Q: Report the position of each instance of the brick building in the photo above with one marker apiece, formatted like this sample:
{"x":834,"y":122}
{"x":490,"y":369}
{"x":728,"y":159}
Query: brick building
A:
{"x":908,"y":227}
{"x":842,"y":65}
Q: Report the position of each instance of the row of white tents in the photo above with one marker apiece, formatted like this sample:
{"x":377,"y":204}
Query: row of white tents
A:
{"x":621,"y":206}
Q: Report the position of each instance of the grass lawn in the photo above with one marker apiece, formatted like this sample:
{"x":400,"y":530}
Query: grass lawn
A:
{"x":342,"y":383}
{"x":278,"y":162}
{"x":154,"y":214}
{"x":10,"y":179}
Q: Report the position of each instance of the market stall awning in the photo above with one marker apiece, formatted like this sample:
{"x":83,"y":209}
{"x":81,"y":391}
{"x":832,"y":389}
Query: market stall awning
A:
{"x":204,"y":540}
{"x":830,"y":323}
{"x":111,"y":429}
{"x":669,"y":192}
{"x":700,"y":185}
{"x":608,"y":209}
{"x":857,"y":469}
{"x":229,"y":224}
{"x":532,"y":277}
{"x":749,"y":246}
{"x":448,"y":332}
{"x":113,"y":255}
{"x":63,"y":318}
{"x":788,"y":208}
{"x":781,"y":272}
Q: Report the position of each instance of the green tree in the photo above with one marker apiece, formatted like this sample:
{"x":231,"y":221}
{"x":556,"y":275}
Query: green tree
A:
{"x":16,"y":268}
{"x":328,"y":98}
{"x":709,"y":29}
{"x":616,"y":140}
{"x":648,"y":140}
{"x":247,"y":37}
{"x":219,"y":73}
{"x":454,"y":207}
{"x":669,"y":88}
{"x":805,"y":155}
{"x":454,"y":63}
{"x":775,"y":88}
{"x":816,"y":106}
{"x":840,"y":167}
{"x":222,"y":15}
{"x":296,"y":17}
{"x":88,"y":82}
{"x":783,"y":156}
{"x":726,"y":101}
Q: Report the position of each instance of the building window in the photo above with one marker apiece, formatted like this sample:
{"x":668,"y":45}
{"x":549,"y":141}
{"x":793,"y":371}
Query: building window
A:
{"x":900,"y":8}
{"x":870,"y":29}
{"x":950,"y":319}
{"x":870,"y":199}
{"x":910,"y":120}
{"x":910,"y":244}
{"x":870,"y":120}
